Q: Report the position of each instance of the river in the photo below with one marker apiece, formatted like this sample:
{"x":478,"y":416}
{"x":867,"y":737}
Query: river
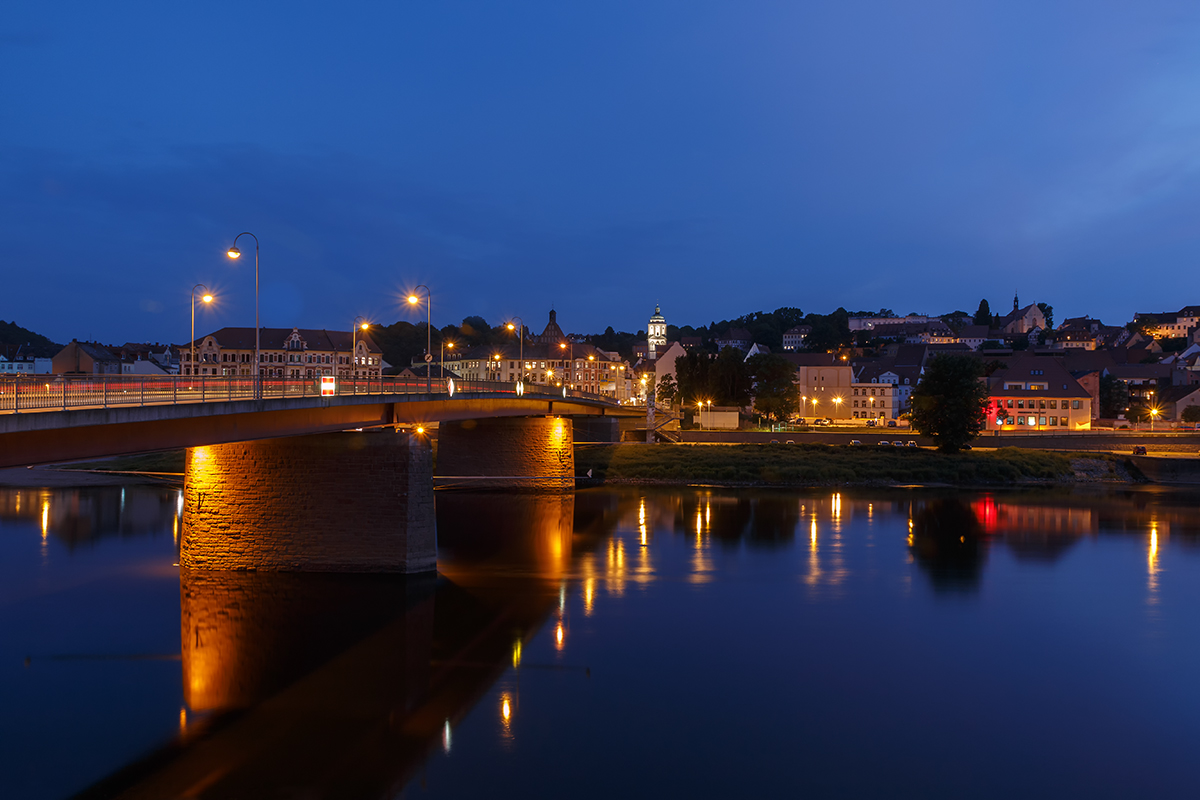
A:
{"x":617,"y":642}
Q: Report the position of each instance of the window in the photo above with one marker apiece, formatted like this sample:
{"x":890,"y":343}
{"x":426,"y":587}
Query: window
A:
{"x":1020,"y":420}
{"x":1010,"y":405}
{"x":1054,"y":404}
{"x":1008,"y":421}
{"x":1042,"y":420}
{"x":1020,"y":404}
{"x":1041,"y":404}
{"x":1053,"y":421}
{"x":1074,"y":404}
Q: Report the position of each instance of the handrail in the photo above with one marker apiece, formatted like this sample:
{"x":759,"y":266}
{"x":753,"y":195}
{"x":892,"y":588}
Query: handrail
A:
{"x":32,"y":393}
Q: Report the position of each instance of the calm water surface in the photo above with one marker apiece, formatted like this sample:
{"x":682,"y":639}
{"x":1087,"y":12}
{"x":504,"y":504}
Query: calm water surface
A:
{"x":617,"y":643}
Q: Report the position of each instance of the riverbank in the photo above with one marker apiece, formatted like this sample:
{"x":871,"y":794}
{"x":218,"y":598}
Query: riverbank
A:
{"x":825,"y":465}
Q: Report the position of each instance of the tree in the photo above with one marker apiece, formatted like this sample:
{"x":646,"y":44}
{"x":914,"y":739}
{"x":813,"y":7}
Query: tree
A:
{"x":1048,"y":313}
{"x":730,"y":380}
{"x":1114,"y":397}
{"x":667,"y":388}
{"x":950,"y":403}
{"x":983,"y":316}
{"x":1191,"y":414}
{"x":774,"y":380}
{"x":693,"y":377}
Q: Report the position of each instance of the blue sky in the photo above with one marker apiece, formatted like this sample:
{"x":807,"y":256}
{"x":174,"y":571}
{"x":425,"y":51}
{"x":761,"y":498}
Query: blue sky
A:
{"x":718,"y":158}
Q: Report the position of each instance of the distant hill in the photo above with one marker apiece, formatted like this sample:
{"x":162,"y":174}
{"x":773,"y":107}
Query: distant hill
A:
{"x":13,"y":335}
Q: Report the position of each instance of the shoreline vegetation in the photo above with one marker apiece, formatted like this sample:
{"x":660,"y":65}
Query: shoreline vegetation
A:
{"x":842,"y":465}
{"x":758,"y":465}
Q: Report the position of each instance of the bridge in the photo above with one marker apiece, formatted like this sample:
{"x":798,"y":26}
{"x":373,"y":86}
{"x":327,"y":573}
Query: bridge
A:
{"x":317,"y":475}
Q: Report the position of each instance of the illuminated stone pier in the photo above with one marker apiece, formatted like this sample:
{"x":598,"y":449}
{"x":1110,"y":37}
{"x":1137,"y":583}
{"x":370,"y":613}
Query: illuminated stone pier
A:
{"x":338,"y":502}
{"x":533,"y":453}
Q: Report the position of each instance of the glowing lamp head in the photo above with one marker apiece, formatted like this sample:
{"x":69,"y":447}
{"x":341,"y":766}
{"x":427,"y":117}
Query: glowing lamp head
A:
{"x":511,"y":327}
{"x":420,"y":431}
{"x":413,"y":299}
{"x":365,"y":325}
{"x":208,"y":298}
{"x":233,"y":252}
{"x":562,"y":345}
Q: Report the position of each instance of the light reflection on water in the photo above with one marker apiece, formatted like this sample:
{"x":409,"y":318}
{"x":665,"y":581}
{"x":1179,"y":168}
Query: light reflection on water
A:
{"x":705,"y":641}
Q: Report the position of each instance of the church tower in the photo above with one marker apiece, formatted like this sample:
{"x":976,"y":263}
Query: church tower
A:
{"x":656,"y":333}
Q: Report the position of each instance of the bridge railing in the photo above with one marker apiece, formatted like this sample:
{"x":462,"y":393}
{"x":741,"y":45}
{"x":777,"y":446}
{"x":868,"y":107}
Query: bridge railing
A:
{"x":64,"y":392}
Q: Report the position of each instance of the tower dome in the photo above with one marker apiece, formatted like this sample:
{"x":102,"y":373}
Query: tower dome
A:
{"x":656,"y":333}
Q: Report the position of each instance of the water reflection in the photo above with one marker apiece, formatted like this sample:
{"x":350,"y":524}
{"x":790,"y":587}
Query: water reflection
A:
{"x":344,"y":685}
{"x":81,"y":517}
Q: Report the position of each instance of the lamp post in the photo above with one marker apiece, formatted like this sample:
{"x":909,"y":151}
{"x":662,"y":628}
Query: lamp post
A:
{"x":442,"y":358}
{"x":521,"y":346}
{"x":359,"y":322}
{"x":570,"y":360}
{"x":412,"y":301}
{"x":1153,"y":414}
{"x":207,"y":298}
{"x":235,"y":254}
{"x":837,"y":405}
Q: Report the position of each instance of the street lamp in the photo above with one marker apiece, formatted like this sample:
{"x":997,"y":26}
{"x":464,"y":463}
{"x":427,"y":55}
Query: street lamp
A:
{"x":412,"y":301}
{"x":442,"y":358}
{"x":360,"y":322}
{"x":1154,"y":412}
{"x":235,"y":254}
{"x":837,"y":404}
{"x":521,"y":347}
{"x":207,"y":298}
{"x":570,"y":361}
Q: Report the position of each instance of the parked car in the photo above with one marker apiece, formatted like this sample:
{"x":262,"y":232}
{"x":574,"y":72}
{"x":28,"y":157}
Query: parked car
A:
{"x":774,"y":441}
{"x":891,"y":423}
{"x":871,"y":423}
{"x":897,"y":443}
{"x":1139,"y":450}
{"x":854,"y":442}
{"x":911,"y":443}
{"x":884,"y":443}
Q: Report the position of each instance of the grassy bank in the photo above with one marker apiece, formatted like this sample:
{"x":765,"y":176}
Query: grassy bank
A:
{"x":167,"y":461}
{"x":815,"y":464}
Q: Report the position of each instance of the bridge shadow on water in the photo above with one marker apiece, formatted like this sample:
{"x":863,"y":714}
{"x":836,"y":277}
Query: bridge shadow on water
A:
{"x":341,"y":685}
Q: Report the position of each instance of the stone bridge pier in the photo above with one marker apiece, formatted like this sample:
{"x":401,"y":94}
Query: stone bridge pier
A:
{"x":517,"y":453}
{"x":335,"y":502}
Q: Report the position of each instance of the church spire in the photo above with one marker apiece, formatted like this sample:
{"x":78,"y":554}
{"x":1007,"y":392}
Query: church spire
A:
{"x":1016,"y":306}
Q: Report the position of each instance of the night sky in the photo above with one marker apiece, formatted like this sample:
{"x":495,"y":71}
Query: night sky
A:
{"x":719,"y":158}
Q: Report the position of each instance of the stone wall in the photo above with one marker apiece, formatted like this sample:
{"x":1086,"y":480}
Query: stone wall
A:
{"x":338,"y":502}
{"x":534,"y":453}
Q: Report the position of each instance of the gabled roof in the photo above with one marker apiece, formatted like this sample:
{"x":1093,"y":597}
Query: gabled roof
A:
{"x":1037,"y":369}
{"x":276,"y":338}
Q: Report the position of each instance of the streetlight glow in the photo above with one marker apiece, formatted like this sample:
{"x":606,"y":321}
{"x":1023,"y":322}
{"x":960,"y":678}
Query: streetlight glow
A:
{"x":233,"y":252}
{"x":413,"y":299}
{"x":208,"y":298}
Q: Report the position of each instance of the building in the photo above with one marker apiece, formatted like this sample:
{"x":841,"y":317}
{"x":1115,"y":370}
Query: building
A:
{"x":878,"y":400}
{"x":973,"y":336}
{"x":824,"y":382}
{"x":664,"y":365}
{"x":870,"y":323}
{"x":85,"y":358}
{"x":1022,"y":320}
{"x":656,"y":334}
{"x":1174,"y":400}
{"x":1037,"y":393}
{"x":285,"y":353}
{"x":577,"y":366}
{"x":735,"y":337}
{"x":1168,"y":324}
{"x":793,"y":338}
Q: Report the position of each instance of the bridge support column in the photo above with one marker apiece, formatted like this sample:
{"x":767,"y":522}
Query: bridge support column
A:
{"x":336,"y":502}
{"x":535,"y":453}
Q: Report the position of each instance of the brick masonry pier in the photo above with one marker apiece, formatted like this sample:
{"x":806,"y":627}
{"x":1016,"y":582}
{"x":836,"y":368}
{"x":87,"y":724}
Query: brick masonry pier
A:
{"x":532,"y":453}
{"x":337,"y":502}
